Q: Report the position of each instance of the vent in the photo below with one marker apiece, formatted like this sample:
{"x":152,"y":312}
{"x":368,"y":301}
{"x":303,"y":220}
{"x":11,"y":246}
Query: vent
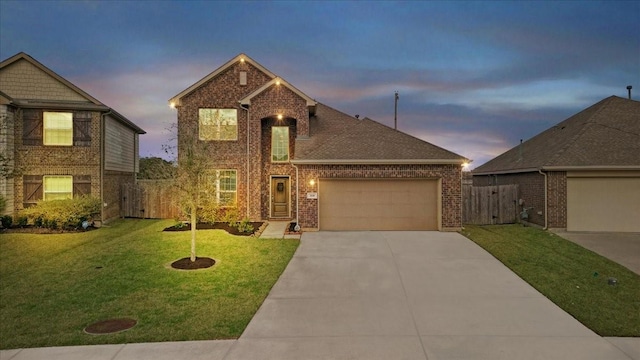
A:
{"x":243,"y":78}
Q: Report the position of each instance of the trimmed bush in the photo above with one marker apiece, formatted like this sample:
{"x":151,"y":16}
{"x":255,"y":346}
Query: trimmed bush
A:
{"x":63,"y":214}
{"x":6,"y":221}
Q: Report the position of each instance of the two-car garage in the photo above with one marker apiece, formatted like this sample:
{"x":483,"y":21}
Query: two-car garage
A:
{"x":379,"y":204}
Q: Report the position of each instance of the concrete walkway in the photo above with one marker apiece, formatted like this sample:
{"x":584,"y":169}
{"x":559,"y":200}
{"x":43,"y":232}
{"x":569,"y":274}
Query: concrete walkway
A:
{"x":388,"y":295}
{"x":274,"y":230}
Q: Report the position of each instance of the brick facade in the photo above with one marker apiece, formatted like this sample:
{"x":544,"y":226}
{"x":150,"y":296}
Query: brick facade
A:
{"x":557,"y":199}
{"x":33,"y":89}
{"x":250,"y":154}
{"x":450,"y":176}
{"x":57,"y":160}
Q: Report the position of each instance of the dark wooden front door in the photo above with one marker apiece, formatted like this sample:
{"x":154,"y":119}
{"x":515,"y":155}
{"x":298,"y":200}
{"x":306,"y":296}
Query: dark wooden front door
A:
{"x":279,"y":197}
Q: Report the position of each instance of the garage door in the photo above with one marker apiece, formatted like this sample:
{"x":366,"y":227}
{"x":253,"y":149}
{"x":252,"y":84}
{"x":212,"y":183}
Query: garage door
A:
{"x":366,"y":204}
{"x":603,"y":204}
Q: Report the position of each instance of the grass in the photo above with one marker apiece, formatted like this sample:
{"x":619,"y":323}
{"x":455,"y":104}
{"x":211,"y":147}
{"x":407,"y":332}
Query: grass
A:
{"x":574,"y":278}
{"x":53,"y":286}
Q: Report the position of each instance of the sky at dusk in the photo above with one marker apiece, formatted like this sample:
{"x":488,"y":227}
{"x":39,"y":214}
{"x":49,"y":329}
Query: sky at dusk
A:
{"x":473,"y":77}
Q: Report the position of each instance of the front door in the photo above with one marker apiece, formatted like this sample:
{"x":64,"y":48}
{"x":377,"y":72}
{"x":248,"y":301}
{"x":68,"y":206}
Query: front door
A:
{"x":280,"y":197}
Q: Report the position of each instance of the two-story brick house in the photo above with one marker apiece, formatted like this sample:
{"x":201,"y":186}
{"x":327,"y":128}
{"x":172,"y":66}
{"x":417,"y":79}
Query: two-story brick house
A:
{"x":63,"y":141}
{"x":281,"y":155}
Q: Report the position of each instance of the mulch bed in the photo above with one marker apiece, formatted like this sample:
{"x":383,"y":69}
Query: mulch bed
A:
{"x":187,"y":264}
{"x":110,"y":326}
{"x":30,"y":229}
{"x":219,"y":226}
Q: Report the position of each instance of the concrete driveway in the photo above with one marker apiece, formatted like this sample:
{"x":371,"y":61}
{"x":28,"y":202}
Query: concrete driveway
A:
{"x":409,"y":295}
{"x":387,"y":295}
{"x":623,"y":248}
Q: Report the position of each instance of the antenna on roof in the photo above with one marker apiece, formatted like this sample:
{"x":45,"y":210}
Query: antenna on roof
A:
{"x":395,"y":113}
{"x":629,"y":90}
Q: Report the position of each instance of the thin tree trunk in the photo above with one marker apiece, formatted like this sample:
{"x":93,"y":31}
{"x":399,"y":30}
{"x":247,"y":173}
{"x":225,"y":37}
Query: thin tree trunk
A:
{"x":193,"y":234}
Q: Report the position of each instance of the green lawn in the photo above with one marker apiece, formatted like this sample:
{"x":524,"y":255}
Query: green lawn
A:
{"x":574,"y":278}
{"x":52,"y":286}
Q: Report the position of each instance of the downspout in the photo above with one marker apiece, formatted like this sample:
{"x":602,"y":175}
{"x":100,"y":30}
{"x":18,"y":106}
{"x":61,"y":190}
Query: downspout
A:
{"x":248,"y":158}
{"x":103,"y":139}
{"x":297,"y":197}
{"x":545,"y":199}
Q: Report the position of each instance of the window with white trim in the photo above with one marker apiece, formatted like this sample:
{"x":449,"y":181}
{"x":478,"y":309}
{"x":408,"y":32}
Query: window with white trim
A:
{"x":58,"y":128}
{"x":218,"y":124}
{"x":223,"y":185}
{"x":57,"y":187}
{"x":280,"y":144}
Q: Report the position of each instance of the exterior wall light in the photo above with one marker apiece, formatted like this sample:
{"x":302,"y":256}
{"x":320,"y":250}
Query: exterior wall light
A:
{"x":312,"y":182}
{"x":279,"y":116}
{"x":172,"y":105}
{"x":241,"y":60}
{"x":278,"y":82}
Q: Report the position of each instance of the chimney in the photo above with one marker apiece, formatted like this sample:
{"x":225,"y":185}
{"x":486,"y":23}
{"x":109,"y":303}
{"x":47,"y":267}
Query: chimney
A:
{"x":629,"y":89}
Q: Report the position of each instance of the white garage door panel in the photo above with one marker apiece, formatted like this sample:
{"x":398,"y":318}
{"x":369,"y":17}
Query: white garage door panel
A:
{"x":603,"y":204}
{"x":378,"y":204}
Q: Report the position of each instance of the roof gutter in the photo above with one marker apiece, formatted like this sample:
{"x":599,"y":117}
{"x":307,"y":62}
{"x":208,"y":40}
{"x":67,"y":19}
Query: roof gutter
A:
{"x":516,"y":171}
{"x":593,"y":168}
{"x":379,"y":161}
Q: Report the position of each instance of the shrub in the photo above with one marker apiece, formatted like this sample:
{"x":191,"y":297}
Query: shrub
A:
{"x":63,"y":214}
{"x":244,"y":226}
{"x":6,"y":221}
{"x":22,"y":221}
{"x":231,"y":216}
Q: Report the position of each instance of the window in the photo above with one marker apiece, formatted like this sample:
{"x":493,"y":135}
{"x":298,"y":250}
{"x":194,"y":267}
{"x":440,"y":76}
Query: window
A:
{"x":58,"y":187}
{"x":58,"y":128}
{"x":217,"y":124}
{"x":222,"y":183}
{"x":280,"y":144}
{"x":226,"y":187}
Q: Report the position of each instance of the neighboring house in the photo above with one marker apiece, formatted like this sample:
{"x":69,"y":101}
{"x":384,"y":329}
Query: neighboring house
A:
{"x":63,"y":141}
{"x":582,"y":174}
{"x":280,"y":155}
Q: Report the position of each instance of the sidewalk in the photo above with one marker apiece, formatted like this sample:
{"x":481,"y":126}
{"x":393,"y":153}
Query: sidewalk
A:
{"x":387,"y":295}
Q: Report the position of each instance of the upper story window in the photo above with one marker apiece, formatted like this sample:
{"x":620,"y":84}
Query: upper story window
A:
{"x":280,"y":144}
{"x":58,"y":187}
{"x":58,"y":128}
{"x":218,"y":124}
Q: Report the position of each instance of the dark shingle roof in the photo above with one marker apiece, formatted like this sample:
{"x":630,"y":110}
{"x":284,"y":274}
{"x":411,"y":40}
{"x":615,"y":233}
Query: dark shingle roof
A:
{"x":336,"y":137}
{"x":607,"y":134}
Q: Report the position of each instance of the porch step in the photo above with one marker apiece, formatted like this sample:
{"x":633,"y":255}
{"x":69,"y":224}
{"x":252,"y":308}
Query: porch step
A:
{"x":275,"y":230}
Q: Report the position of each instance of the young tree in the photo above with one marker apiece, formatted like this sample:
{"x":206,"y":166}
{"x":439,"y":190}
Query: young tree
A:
{"x":195,"y":182}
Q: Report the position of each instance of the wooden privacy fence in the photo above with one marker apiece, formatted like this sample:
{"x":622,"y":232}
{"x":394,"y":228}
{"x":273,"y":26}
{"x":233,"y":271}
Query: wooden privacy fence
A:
{"x":149,"y":199}
{"x":486,"y":205}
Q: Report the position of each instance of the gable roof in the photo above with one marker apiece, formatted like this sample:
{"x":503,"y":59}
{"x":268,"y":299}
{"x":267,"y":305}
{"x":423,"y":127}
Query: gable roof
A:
{"x":337,"y":138}
{"x":22,"y":56}
{"x":277,"y":80}
{"x":89,"y":103}
{"x":176,"y":100}
{"x":606,"y":135}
